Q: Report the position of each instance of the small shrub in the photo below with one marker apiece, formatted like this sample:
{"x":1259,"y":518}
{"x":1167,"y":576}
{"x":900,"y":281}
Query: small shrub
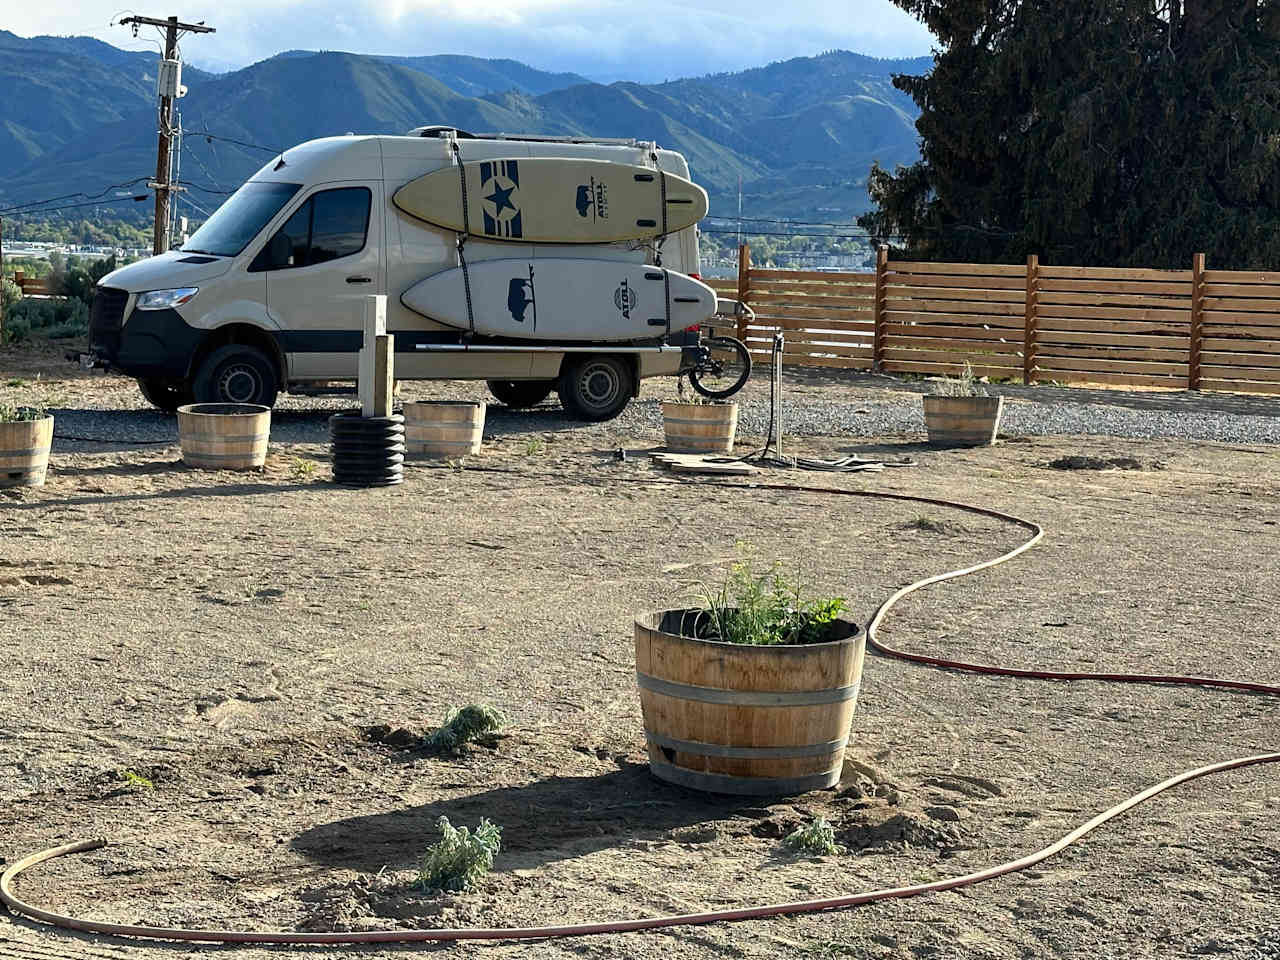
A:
{"x":16,"y":329}
{"x":474,"y":722}
{"x":137,"y":780}
{"x":460,"y":858}
{"x":24,"y":414}
{"x":816,"y":839}
{"x":53,"y":318}
{"x":965,"y":385}
{"x":534,"y":446}
{"x":303,"y":468}
{"x":764,"y":609}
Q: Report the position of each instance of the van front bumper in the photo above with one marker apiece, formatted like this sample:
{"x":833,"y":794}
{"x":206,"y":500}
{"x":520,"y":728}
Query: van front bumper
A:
{"x":150,"y":343}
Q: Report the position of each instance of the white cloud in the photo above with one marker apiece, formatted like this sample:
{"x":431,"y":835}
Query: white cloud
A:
{"x":607,"y":40}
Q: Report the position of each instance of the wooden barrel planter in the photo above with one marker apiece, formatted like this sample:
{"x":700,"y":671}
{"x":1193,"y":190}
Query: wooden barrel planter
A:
{"x":754,"y":720}
{"x":962,"y":421}
{"x":224,"y":436}
{"x":443,"y":429}
{"x":699,"y":427}
{"x":24,"y":452}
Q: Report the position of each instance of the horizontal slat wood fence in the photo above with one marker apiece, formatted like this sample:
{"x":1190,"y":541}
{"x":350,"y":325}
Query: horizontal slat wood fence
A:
{"x":1196,"y":328}
{"x":31,"y":286}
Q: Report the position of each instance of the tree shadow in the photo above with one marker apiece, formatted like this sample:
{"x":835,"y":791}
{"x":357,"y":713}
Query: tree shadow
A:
{"x":556,"y":818}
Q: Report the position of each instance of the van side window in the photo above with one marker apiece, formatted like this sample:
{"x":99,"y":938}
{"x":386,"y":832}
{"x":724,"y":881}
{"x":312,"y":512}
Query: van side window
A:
{"x":331,"y":224}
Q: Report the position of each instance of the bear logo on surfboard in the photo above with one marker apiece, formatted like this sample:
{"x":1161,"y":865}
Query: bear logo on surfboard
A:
{"x":517,"y":302}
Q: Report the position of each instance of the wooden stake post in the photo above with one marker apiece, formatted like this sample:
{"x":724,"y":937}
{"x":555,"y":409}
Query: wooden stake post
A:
{"x":377,"y":360}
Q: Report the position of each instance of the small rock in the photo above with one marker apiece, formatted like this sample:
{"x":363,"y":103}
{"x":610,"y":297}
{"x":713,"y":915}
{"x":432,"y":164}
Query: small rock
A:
{"x":942,"y":811}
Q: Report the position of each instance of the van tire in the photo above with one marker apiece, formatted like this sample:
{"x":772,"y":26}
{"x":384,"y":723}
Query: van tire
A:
{"x":520,"y":394}
{"x":236,"y":373}
{"x":165,"y":394}
{"x":596,"y":388}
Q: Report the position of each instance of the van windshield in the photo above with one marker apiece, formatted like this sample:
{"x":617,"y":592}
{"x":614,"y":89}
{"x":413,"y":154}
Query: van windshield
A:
{"x":239,"y":219}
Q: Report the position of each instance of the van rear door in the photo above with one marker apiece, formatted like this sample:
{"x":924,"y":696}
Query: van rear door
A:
{"x":320,"y":265}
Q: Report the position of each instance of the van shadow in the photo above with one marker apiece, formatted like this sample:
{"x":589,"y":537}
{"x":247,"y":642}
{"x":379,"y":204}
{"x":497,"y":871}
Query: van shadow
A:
{"x":556,"y":818}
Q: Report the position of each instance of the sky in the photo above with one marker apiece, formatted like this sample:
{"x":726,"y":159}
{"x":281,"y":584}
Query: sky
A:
{"x":603,"y":40}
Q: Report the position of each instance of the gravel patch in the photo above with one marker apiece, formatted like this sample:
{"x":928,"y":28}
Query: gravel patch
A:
{"x":861,"y":406}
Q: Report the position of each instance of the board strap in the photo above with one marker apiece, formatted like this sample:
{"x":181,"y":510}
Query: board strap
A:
{"x":462,"y":238}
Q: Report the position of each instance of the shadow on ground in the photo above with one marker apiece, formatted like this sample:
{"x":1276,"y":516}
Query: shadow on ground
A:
{"x":551,"y":819}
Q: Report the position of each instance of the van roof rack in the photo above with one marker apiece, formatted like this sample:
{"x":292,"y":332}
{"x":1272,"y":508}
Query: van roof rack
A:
{"x":441,"y":131}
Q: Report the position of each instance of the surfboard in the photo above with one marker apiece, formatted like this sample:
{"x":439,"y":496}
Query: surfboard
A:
{"x":563,"y":299}
{"x":554,"y":200}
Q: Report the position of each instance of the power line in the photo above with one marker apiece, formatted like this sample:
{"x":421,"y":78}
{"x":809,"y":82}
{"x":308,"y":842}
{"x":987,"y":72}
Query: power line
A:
{"x":239,"y":143}
{"x":72,"y":196}
{"x":207,"y":172}
{"x":790,"y":223}
{"x":73,"y":206}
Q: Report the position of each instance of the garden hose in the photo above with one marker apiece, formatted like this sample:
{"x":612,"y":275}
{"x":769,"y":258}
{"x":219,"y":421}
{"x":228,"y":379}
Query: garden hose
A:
{"x":741,"y":913}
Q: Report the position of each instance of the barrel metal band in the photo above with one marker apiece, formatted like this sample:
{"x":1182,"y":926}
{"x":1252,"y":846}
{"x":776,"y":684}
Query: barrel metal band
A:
{"x":196,"y":459}
{"x":28,"y":452}
{"x":746,"y":753}
{"x":750,"y":786}
{"x":704,"y":422}
{"x":225,"y":438}
{"x":746,"y":698}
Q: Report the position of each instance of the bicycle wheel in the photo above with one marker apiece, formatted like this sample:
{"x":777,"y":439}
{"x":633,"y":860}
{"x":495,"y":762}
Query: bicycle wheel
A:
{"x":726,"y":370}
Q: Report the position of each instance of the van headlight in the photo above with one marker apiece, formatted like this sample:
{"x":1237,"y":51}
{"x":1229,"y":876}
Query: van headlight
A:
{"x":166,"y":299}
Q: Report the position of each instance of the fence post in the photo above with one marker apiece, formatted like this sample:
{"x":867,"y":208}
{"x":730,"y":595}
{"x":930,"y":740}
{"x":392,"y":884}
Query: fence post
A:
{"x":744,"y":286}
{"x":1197,"y":321}
{"x":1031,"y":320}
{"x":877,"y":310}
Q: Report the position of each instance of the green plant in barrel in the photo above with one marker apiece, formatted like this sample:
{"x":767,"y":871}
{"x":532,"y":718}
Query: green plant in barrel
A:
{"x":764,"y":607}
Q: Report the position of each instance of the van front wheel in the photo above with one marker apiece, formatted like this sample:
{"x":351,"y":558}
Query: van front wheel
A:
{"x":236,"y":373}
{"x":596,"y":388}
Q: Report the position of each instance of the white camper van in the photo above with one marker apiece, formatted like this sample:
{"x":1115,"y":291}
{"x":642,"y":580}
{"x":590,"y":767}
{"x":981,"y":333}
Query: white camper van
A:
{"x":268,"y":294}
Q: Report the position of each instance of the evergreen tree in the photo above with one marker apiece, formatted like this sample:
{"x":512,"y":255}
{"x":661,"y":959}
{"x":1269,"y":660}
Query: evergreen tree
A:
{"x":1092,"y":132}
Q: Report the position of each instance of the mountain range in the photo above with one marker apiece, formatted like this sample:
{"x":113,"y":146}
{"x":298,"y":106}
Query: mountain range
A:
{"x":77,"y":115}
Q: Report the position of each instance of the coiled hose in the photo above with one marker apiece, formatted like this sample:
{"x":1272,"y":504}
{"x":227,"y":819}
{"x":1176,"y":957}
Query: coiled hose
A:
{"x":714,"y":916}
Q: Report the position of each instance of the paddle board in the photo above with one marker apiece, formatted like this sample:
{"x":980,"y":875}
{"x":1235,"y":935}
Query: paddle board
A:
{"x":555,"y":200}
{"x":564,"y":299}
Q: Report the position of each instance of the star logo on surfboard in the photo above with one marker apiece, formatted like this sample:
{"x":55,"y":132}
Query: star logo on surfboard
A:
{"x":500,"y":199}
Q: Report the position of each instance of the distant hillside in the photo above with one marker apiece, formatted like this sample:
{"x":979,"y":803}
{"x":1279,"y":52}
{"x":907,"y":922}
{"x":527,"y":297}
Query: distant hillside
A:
{"x":473,"y":76}
{"x":801,"y":134}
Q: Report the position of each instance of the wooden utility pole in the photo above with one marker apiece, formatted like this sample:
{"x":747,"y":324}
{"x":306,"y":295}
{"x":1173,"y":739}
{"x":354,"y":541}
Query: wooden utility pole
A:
{"x":2,"y":310}
{"x":162,"y":184}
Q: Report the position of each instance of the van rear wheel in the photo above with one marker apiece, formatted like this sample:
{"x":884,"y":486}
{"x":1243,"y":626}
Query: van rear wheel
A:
{"x":519,"y":394}
{"x":236,"y":373}
{"x":596,"y":388}
{"x":165,"y":394}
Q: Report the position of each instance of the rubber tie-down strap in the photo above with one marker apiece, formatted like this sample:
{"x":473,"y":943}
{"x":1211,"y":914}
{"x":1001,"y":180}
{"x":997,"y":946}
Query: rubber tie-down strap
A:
{"x":666,"y":298}
{"x":662,"y":237}
{"x":462,"y":239}
{"x":466,"y":282}
{"x":8,"y":898}
{"x":662,"y":189}
{"x":462,"y":179}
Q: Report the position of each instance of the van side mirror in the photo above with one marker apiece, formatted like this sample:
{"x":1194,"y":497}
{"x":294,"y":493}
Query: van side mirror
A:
{"x":275,"y":255}
{"x":281,"y":249}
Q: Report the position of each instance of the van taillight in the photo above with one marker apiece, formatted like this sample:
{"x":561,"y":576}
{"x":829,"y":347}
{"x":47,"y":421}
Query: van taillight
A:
{"x":693,"y":329}
{"x":696,"y":276}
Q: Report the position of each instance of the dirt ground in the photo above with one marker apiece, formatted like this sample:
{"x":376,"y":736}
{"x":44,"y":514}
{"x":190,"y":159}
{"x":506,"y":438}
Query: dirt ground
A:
{"x":244,"y":643}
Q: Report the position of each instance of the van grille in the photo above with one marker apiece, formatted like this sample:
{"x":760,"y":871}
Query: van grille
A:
{"x":106,"y":317}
